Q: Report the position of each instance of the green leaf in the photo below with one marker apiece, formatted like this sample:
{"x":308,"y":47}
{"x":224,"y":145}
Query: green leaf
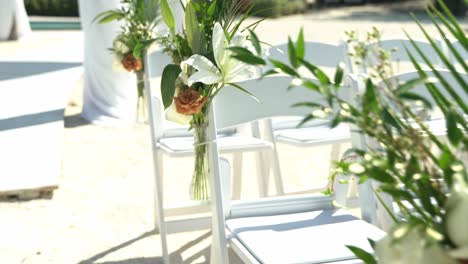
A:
{"x":408,"y":85}
{"x":339,"y":75}
{"x":138,"y":50}
{"x":292,"y":53}
{"x":300,"y":45}
{"x":255,"y":42}
{"x":109,"y":16}
{"x":318,"y":73}
{"x":167,"y":14}
{"x":306,"y":119}
{"x":363,"y":255}
{"x":284,"y":68}
{"x":454,"y":133}
{"x":415,"y":97}
{"x":192,"y":29}
{"x":169,"y":76}
{"x":388,"y":117}
{"x":241,"y":50}
{"x":252,"y":60}
{"x":244,"y":90}
{"x":308,"y":104}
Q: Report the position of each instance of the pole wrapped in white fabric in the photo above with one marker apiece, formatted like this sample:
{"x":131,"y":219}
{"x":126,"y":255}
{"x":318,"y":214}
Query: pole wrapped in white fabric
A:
{"x":14,"y":22}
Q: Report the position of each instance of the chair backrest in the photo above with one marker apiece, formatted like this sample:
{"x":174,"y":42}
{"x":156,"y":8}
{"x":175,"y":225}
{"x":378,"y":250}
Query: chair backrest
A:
{"x":446,"y":75}
{"x":400,"y":58}
{"x":324,"y":55}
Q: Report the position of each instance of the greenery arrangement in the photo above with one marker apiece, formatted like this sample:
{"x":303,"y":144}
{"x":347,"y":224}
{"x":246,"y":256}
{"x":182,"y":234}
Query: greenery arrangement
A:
{"x":202,"y":67}
{"x":52,"y":7}
{"x":140,"y":17}
{"x":421,"y":172}
{"x":277,"y":8}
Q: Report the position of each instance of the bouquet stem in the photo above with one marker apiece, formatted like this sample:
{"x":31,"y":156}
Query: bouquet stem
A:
{"x":141,"y":111}
{"x":199,"y":188}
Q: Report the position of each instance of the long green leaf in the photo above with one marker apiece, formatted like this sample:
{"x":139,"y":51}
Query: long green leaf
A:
{"x":449,"y":44}
{"x":192,"y":29}
{"x":255,"y":42}
{"x":169,"y":76}
{"x":244,"y":90}
{"x":300,"y":45}
{"x":284,"y":68}
{"x":363,"y":255}
{"x":317,"y":72}
{"x":167,"y":14}
{"x":292,"y":53}
{"x":447,"y":63}
{"x":442,"y":80}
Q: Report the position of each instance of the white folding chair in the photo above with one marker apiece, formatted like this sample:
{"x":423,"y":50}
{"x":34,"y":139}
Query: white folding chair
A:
{"x":176,"y":141}
{"x":317,"y":132}
{"x":294,"y":229}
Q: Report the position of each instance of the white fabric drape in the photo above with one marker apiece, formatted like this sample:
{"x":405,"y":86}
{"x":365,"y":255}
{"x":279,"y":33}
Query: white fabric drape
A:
{"x":110,"y":95}
{"x":14,"y":22}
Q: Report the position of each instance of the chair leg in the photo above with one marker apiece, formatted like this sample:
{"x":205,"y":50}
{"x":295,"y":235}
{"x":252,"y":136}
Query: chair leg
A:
{"x":160,"y":224}
{"x":273,"y":158}
{"x":236,"y":175}
{"x":262,"y":174}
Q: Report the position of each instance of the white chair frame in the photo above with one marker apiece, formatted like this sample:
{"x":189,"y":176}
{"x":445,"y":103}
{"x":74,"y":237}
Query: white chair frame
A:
{"x":262,"y":149}
{"x":275,"y":101}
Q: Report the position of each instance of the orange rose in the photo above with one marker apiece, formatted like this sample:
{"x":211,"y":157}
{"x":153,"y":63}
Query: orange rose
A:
{"x":189,"y":102}
{"x":130,"y":63}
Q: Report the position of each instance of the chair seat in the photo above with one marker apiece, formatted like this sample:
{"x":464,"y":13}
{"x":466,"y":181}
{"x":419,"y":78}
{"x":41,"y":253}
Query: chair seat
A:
{"x":309,"y":237}
{"x":183,"y":146}
{"x":172,"y":129}
{"x":289,"y":122}
{"x":315,"y":135}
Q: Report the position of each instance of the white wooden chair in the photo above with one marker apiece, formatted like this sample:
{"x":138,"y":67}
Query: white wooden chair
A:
{"x":294,"y":229}
{"x":176,"y":141}
{"x":317,"y":132}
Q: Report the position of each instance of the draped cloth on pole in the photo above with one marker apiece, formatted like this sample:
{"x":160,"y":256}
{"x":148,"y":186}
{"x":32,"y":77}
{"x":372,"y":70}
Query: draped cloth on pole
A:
{"x":14,"y":22}
{"x":109,"y":94}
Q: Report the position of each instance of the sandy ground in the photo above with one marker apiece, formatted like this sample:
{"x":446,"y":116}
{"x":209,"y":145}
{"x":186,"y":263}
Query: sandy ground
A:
{"x":102,"y":211}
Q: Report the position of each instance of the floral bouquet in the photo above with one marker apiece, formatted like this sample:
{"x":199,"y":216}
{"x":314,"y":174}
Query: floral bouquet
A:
{"x":141,"y":17}
{"x":202,"y":66}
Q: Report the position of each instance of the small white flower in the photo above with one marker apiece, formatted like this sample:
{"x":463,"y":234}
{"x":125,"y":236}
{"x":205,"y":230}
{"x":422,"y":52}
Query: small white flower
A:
{"x":120,"y":47}
{"x":319,"y":113}
{"x":356,"y":168}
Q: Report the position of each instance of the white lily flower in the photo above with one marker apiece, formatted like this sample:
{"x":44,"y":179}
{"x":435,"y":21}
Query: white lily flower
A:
{"x":227,"y":69}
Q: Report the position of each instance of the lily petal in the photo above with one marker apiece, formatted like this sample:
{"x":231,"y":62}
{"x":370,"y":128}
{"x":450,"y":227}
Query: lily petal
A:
{"x":200,"y":63}
{"x":220,"y":44}
{"x":205,"y":77}
{"x":174,"y":116}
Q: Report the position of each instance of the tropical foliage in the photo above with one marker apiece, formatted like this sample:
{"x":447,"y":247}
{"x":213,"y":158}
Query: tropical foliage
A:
{"x":423,"y":174}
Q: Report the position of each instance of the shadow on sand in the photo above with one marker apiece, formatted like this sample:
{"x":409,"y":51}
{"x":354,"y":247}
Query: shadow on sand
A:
{"x":175,"y":257}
